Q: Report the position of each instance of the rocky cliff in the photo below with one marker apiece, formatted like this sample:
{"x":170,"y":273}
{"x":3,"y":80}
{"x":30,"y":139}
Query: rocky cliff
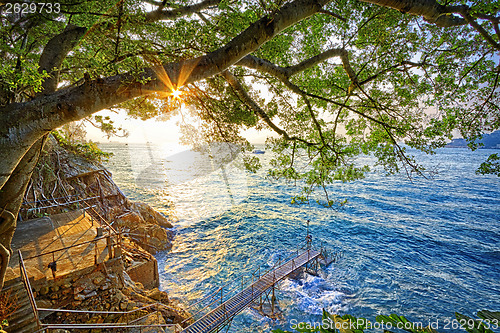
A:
{"x":65,"y":181}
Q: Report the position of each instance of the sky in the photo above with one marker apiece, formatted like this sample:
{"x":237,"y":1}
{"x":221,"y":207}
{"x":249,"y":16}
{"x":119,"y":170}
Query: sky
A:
{"x":142,"y":131}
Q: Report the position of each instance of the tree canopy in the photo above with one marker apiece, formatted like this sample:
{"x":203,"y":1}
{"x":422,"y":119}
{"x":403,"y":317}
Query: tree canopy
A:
{"x":338,"y":78}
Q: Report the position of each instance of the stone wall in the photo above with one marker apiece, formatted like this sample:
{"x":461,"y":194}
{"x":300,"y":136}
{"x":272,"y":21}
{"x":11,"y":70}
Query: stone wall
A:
{"x":78,"y":286}
{"x":145,"y":273}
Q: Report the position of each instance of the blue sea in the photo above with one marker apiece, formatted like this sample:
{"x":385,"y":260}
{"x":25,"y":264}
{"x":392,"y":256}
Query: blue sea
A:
{"x":425,"y":248}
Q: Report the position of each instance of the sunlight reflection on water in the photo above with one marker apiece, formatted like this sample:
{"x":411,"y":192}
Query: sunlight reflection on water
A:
{"x":425,"y":249}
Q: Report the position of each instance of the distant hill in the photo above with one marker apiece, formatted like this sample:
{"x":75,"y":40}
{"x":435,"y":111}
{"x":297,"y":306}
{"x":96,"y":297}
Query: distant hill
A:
{"x":490,"y":141}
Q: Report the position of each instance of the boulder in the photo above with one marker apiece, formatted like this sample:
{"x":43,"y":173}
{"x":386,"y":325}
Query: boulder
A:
{"x":152,"y":238}
{"x":130,"y":220}
{"x":158,"y":295}
{"x":150,"y":215}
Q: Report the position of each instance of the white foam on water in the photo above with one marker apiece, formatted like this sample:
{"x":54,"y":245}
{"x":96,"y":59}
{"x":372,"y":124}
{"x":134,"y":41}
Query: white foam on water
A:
{"x":310,"y":295}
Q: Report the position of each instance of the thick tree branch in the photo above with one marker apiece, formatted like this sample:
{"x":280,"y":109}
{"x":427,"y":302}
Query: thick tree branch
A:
{"x":430,"y":10}
{"x":55,"y":52}
{"x":24,"y":123}
{"x":313,"y":61}
{"x":11,"y":198}
{"x":161,"y":14}
{"x":280,"y":73}
{"x":464,"y":11}
{"x":11,"y":194}
{"x":332,"y":14}
{"x":284,"y":73}
{"x":405,"y":64}
{"x":245,"y":98}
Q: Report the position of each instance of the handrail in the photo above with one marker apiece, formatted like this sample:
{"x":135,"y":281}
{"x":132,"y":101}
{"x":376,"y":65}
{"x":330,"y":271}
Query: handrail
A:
{"x":103,"y":220}
{"x":99,"y":326}
{"x":37,"y":201}
{"x":108,"y":178}
{"x":242,"y":275}
{"x":95,"y":240}
{"x":104,"y":325}
{"x":27,"y":286}
{"x":103,"y":312}
{"x":61,"y":204}
{"x":259,"y":290}
{"x":230,"y":291}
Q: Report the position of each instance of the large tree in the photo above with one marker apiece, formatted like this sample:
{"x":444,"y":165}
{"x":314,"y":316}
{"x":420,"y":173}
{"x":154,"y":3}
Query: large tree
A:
{"x":340,"y":77}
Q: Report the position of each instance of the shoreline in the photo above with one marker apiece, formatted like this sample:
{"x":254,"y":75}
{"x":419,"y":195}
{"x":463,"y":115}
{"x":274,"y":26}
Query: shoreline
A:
{"x":93,"y":250}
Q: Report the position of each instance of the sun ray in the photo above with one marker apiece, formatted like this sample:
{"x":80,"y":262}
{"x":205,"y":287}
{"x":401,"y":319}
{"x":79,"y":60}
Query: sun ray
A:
{"x":187,"y":68}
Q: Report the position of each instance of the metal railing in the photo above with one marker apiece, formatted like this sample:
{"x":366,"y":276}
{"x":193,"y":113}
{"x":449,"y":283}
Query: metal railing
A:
{"x":93,"y":241}
{"x":128,"y":324}
{"x":44,"y":200}
{"x":233,"y":287}
{"x":112,"y":238}
{"x":224,"y":313}
{"x":67,"y":203}
{"x":229,"y":289}
{"x":95,"y":214}
{"x":27,"y":286}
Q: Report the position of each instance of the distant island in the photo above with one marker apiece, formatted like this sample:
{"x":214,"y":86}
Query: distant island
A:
{"x":489,"y":141}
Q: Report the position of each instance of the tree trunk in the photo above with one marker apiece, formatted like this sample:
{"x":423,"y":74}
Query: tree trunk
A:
{"x":11,"y":198}
{"x":12,"y":193}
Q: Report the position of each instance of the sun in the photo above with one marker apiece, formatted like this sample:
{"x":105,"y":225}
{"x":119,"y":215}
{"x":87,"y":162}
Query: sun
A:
{"x":176,"y":94}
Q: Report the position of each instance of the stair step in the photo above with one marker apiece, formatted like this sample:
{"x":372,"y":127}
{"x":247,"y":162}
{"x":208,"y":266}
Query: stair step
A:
{"x":21,"y":326}
{"x":20,"y":311}
{"x":22,"y":300}
{"x":12,"y":288}
{"x":20,"y":314}
{"x":33,"y":327}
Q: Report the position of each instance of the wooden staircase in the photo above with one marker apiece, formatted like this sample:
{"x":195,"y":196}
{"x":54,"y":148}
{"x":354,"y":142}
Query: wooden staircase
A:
{"x":22,"y":320}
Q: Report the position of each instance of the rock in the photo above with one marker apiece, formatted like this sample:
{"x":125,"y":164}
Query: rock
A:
{"x":66,"y":291}
{"x":96,"y":319}
{"x":98,"y":280}
{"x":44,"y":290}
{"x":150,"y":215}
{"x":78,"y":290}
{"x":153,"y":238}
{"x":84,"y":285}
{"x":66,"y":285}
{"x":158,"y":295}
{"x":43,"y":303}
{"x":130,"y":220}
{"x":79,"y":297}
{"x":119,"y":297}
{"x":123,"y":305}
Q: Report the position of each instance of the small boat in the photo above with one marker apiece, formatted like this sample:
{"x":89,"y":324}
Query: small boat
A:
{"x":258,"y":151}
